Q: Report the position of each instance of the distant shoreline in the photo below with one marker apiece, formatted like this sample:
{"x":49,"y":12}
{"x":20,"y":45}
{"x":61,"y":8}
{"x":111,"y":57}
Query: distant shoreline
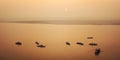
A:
{"x":68,"y":22}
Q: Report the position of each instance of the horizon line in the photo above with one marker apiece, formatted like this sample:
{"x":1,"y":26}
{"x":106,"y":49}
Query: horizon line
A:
{"x":66,"y":22}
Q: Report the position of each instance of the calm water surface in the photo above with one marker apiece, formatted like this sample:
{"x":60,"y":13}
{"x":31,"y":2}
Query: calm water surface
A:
{"x":54,"y":37}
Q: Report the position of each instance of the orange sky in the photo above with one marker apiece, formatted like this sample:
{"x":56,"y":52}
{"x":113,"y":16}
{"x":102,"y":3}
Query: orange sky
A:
{"x":81,"y":9}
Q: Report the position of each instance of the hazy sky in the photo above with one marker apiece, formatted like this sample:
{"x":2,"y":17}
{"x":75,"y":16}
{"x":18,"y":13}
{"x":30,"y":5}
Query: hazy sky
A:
{"x":76,"y":9}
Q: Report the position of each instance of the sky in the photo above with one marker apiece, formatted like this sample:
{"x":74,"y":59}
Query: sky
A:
{"x":60,"y":9}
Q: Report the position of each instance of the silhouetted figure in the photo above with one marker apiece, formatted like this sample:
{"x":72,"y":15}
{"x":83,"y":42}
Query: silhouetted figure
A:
{"x":41,"y":46}
{"x":18,"y":43}
{"x":68,"y":43}
{"x":93,"y":44}
{"x":79,"y":43}
{"x":37,"y":43}
{"x":97,"y":51}
{"x":89,"y":37}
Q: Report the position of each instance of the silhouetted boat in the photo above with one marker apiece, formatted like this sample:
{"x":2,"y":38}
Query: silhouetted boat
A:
{"x":18,"y":43}
{"x":79,"y":43}
{"x":97,"y":51}
{"x":93,"y":44}
{"x":41,"y":46}
{"x":89,"y":37}
{"x":37,"y":43}
{"x":68,"y":43}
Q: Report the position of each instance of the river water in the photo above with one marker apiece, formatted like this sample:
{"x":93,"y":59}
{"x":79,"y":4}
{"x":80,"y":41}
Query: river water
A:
{"x":54,"y":36}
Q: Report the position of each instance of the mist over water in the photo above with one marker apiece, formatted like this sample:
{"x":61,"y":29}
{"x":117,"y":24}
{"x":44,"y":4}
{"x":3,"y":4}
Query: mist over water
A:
{"x":54,"y":37}
{"x":52,"y":23}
